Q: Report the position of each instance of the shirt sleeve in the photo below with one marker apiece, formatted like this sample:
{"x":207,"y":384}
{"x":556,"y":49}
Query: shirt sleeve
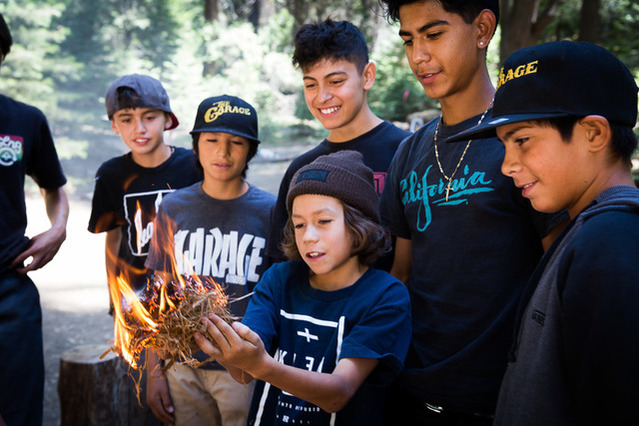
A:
{"x":384,"y":333}
{"x":44,"y":166}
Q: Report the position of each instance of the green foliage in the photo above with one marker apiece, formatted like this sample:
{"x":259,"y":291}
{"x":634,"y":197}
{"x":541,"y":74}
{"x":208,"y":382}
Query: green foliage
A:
{"x":396,"y":92}
{"x":30,"y":69}
{"x":67,"y":52}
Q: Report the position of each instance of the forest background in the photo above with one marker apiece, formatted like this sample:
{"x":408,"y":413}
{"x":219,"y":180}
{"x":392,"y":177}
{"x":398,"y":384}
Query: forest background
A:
{"x":67,"y":52}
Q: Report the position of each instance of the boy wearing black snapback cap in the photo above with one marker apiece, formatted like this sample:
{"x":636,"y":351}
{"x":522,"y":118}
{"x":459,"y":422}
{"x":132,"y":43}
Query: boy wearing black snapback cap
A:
{"x":215,"y":228}
{"x":565,"y":112}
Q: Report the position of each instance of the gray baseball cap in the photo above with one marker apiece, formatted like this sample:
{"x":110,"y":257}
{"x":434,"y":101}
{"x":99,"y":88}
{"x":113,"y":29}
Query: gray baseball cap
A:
{"x":150,"y":91}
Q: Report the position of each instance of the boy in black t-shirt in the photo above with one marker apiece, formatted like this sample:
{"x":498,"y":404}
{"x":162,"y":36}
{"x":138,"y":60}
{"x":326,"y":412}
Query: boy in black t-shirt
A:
{"x":337,"y":75}
{"x":129,"y":188}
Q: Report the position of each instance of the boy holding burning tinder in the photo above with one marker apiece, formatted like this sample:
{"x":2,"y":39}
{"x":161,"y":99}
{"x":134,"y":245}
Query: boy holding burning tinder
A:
{"x":325,"y":332}
{"x":216,"y":228}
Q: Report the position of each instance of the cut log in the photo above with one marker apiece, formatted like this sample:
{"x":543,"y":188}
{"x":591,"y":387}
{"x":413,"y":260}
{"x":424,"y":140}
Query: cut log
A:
{"x":96,"y":392}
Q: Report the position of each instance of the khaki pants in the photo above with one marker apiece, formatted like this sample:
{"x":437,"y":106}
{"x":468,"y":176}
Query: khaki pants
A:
{"x":208,"y":397}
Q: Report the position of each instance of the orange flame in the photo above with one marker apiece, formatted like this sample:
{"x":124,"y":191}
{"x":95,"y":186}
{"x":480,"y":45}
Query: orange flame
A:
{"x":135,"y":312}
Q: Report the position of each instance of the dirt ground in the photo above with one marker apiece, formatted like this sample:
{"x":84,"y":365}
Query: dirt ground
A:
{"x":73,"y":286}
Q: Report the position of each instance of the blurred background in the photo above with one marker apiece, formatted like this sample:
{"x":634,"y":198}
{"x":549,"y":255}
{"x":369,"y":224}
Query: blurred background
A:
{"x":67,"y":52}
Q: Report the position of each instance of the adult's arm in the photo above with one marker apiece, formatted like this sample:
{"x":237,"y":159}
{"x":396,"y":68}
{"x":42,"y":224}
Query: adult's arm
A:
{"x":402,"y":264}
{"x":44,"y":246}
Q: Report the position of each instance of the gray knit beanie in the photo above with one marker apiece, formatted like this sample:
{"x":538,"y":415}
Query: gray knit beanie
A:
{"x":342,"y":175}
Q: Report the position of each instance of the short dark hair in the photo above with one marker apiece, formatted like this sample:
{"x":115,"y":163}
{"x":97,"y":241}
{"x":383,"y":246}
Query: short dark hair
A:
{"x":623,"y":139}
{"x":332,"y":40}
{"x":129,"y":99}
{"x":370,"y":239}
{"x":253,"y":150}
{"x":467,"y":9}
{"x":5,"y":38}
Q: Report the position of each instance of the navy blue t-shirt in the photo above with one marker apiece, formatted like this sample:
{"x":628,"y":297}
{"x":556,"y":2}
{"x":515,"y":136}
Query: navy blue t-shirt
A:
{"x":313,"y":329}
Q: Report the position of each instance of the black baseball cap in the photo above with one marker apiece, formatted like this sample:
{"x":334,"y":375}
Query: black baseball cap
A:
{"x":150,"y":91}
{"x":560,"y":79}
{"x":227,"y":114}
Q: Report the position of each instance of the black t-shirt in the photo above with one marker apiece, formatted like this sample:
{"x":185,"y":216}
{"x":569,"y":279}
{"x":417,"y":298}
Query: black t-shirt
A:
{"x":26,"y":148}
{"x":127,"y":196}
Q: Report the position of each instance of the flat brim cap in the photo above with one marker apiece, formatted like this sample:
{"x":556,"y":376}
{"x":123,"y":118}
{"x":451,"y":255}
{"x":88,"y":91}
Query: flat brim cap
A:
{"x":227,"y":114}
{"x":150,"y":91}
{"x":560,"y":79}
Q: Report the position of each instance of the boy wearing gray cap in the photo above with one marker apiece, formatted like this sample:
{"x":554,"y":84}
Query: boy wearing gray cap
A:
{"x":129,"y":188}
{"x":216,"y":228}
{"x":326,"y":332}
{"x":565,"y":113}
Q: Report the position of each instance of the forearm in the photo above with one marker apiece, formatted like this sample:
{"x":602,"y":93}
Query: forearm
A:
{"x":57,"y":206}
{"x":329,"y":391}
{"x":112,"y":244}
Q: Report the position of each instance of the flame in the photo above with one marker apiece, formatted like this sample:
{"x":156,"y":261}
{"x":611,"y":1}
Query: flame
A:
{"x":138,"y":315}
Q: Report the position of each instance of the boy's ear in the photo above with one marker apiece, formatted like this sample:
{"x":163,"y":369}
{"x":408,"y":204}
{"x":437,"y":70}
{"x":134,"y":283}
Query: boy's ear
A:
{"x":369,"y":75}
{"x":168,"y":121}
{"x":486,"y":26}
{"x":114,"y":127}
{"x":597,"y":132}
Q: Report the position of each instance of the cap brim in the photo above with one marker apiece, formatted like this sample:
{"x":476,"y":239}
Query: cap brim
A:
{"x":225,"y":130}
{"x":488,"y":128}
{"x":174,"y":121}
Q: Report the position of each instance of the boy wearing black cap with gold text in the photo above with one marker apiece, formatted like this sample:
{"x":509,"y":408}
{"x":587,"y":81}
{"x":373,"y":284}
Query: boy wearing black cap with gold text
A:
{"x":565,"y":113}
{"x":215,"y":228}
{"x":325,"y":332}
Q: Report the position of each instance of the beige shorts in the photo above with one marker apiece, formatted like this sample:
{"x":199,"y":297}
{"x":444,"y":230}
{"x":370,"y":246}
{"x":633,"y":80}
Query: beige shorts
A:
{"x":208,"y":397}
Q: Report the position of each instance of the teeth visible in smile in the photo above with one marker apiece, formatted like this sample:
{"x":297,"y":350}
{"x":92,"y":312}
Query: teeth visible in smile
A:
{"x":329,"y":110}
{"x":314,"y":254}
{"x":527,"y":185}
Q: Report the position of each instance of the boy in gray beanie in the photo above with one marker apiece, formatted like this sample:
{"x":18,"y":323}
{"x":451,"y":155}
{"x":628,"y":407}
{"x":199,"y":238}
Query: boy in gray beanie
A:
{"x":339,"y":329}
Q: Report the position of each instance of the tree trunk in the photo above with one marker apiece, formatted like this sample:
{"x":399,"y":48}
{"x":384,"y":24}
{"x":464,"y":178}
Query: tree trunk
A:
{"x":211,"y":10}
{"x":589,"y":21}
{"x":96,"y":392}
{"x":522,"y":23}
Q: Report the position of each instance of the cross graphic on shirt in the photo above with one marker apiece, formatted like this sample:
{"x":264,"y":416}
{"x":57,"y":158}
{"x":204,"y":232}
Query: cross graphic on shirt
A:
{"x":307,"y":335}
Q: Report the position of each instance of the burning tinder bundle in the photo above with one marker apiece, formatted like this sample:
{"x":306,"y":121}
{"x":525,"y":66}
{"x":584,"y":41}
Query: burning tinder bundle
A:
{"x":165,"y":317}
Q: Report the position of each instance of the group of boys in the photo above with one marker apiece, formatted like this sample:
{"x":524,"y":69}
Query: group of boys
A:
{"x":514,"y":214}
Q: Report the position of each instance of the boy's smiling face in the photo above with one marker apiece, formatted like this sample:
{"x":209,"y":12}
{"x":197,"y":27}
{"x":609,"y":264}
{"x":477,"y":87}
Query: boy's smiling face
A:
{"x":552,"y":173}
{"x":141,"y":129}
{"x":335,"y":93}
{"x":441,"y":47}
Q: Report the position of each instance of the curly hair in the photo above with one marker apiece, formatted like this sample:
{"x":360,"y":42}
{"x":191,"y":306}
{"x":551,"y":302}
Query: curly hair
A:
{"x":467,"y":9}
{"x":332,"y":40}
{"x":370,"y":239}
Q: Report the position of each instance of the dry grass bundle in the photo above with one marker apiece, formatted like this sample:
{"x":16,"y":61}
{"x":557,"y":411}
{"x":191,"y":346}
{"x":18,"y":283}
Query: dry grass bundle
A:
{"x":175,"y":310}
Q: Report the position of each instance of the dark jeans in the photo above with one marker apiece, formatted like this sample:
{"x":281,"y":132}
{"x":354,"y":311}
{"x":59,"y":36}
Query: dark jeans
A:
{"x":21,"y":351}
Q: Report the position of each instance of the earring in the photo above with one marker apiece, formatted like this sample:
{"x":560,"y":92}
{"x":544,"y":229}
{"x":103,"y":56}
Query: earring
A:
{"x":481,"y":43}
